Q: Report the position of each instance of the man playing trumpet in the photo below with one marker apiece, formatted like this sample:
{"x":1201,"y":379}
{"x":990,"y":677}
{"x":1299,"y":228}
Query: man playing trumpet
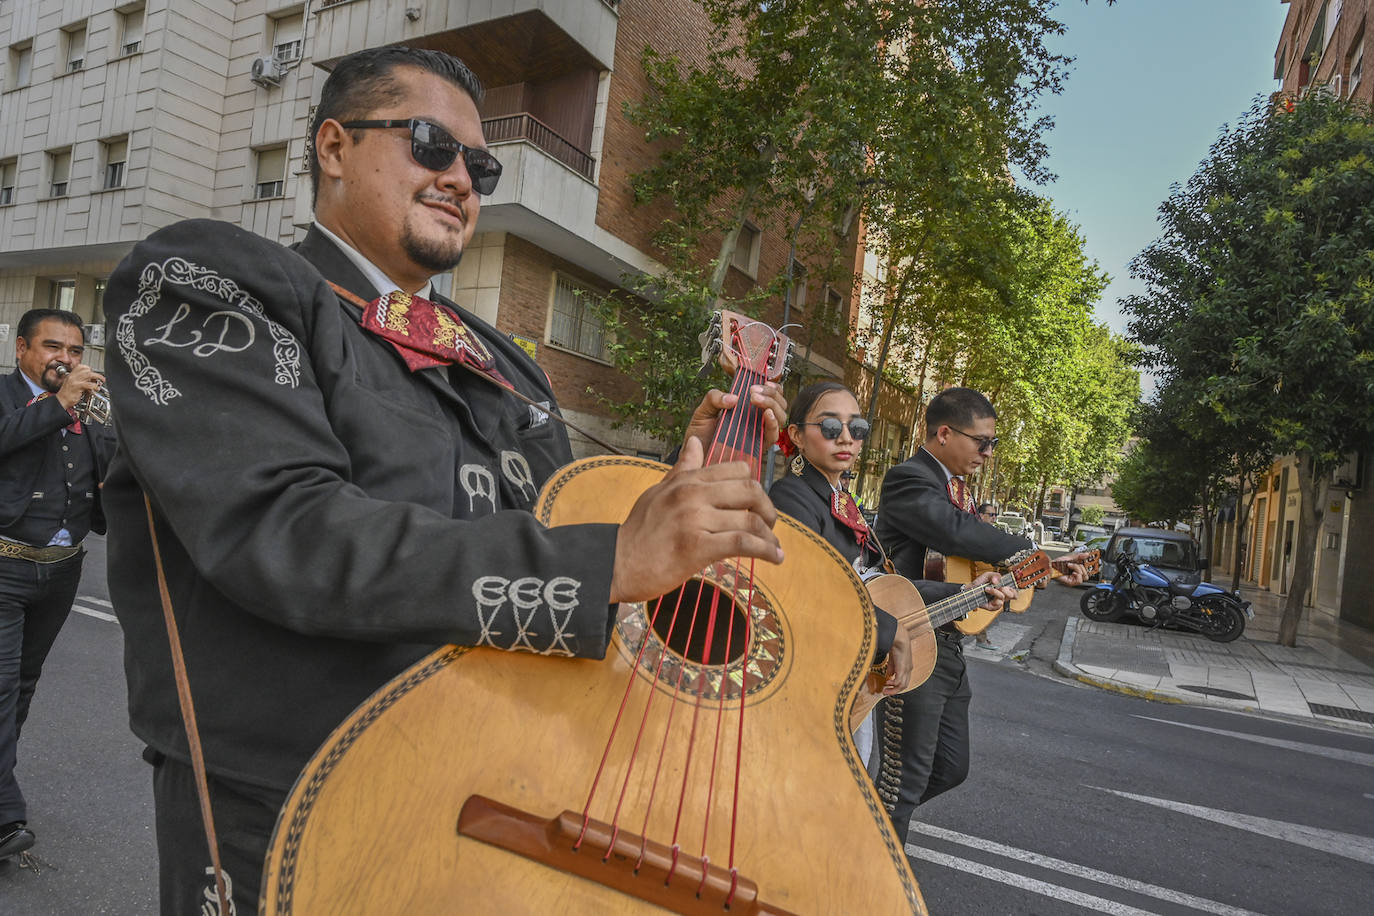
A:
{"x":51,"y":465}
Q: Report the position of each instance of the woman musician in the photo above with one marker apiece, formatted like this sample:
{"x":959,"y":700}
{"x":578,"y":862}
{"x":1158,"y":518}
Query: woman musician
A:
{"x":824,"y":435}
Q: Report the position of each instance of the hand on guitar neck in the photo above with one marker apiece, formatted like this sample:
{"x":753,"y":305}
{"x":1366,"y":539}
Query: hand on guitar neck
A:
{"x":1073,"y":569}
{"x":998,"y":594}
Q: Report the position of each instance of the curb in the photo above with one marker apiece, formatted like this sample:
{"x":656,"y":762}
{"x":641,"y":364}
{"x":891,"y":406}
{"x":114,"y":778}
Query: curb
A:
{"x":1063,"y":665}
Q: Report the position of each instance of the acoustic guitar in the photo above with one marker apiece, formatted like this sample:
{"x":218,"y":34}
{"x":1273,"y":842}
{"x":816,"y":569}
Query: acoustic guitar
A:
{"x":704,"y":765}
{"x":958,"y":569}
{"x":899,"y":597}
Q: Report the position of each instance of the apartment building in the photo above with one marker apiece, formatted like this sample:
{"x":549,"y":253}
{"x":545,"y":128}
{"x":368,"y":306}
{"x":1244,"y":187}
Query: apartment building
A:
{"x":119,"y":119}
{"x":1322,"y":47}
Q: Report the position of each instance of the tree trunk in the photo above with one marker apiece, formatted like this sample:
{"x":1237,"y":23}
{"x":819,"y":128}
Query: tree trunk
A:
{"x":1313,"y":490}
{"x":1208,"y":511}
{"x":1243,"y":510}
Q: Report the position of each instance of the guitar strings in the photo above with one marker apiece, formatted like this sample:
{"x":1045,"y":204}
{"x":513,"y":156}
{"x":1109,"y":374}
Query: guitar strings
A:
{"x":732,"y":427}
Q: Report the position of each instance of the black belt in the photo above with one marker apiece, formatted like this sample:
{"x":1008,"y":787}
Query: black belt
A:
{"x":951,"y":634}
{"x":53,"y":554}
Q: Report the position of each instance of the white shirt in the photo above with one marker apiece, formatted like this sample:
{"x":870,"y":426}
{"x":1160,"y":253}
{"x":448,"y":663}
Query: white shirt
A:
{"x":371,"y":272}
{"x":63,"y":537}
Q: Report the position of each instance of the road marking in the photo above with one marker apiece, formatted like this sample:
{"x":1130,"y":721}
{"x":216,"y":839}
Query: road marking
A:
{"x":1078,"y":871}
{"x":1349,"y":845}
{"x":92,"y":612}
{"x":100,"y":601}
{"x":1044,"y":888}
{"x":1335,"y":753}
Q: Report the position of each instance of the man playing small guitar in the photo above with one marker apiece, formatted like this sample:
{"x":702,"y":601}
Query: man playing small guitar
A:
{"x":927,"y":505}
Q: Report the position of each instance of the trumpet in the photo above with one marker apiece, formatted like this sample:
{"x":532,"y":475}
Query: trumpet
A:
{"x":94,"y":406}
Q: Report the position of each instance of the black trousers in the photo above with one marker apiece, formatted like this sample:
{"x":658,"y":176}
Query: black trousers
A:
{"x":923,"y":737}
{"x":244,"y":818}
{"x":35,"y":599}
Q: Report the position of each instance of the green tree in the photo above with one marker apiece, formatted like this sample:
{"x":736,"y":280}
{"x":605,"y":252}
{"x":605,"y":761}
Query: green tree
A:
{"x":1093,"y":515}
{"x":1260,"y":294}
{"x":798,"y":119}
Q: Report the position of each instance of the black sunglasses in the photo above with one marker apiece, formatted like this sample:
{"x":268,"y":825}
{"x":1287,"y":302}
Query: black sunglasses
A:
{"x":435,"y":148}
{"x":985,"y":443}
{"x":831,"y":426}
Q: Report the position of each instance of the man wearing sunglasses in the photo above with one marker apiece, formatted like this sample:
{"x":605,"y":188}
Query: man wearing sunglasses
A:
{"x":927,"y":505}
{"x":339,"y":475}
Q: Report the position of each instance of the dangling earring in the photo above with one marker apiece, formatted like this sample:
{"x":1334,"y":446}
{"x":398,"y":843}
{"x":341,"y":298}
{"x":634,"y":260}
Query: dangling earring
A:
{"x":798,"y":464}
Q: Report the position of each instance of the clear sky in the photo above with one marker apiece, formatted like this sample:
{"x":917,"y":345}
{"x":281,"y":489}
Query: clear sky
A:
{"x":1152,"y":84}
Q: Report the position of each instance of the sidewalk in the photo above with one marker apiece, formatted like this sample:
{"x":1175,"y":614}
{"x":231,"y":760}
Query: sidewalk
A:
{"x":1328,"y":677}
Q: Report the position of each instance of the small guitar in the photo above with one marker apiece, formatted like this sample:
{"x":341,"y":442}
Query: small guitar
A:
{"x":964,"y":571}
{"x":896,"y":595}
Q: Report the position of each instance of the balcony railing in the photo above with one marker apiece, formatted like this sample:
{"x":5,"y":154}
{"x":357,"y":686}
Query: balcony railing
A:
{"x":527,"y":127}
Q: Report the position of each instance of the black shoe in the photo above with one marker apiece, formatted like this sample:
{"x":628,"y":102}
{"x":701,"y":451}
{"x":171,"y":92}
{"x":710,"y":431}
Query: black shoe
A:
{"x":15,"y":838}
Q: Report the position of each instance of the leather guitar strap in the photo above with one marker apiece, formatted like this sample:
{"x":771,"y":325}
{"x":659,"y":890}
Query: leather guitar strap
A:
{"x":188,"y":715}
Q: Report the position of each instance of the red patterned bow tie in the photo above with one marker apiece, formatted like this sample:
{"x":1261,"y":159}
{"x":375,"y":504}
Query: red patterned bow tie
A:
{"x":72,"y":427}
{"x":426,"y":334}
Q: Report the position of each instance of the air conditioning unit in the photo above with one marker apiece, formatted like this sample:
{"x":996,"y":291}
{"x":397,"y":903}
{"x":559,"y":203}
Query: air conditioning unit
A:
{"x":95,"y":334}
{"x":267,"y":71}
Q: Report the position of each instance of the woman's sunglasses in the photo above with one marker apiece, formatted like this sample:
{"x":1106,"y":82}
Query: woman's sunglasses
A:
{"x":831,"y":426}
{"x":435,"y":148}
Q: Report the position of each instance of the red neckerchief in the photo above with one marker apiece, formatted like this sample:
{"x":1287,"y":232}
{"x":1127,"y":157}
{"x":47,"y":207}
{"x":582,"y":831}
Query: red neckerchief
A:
{"x":846,"y":511}
{"x":72,"y":427}
{"x":426,"y":334}
{"x":960,"y":496}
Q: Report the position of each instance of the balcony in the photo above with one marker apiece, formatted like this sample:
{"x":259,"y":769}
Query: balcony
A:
{"x":525,"y":126}
{"x":487,"y":36}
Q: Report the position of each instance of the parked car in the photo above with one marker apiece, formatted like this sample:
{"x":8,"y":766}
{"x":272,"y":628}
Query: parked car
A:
{"x":1082,"y":533}
{"x":1173,"y":553}
{"x":1011,"y":522}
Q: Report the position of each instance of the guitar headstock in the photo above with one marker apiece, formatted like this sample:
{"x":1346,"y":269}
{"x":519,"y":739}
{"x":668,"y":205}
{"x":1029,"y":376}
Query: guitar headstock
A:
{"x":1090,"y":561}
{"x":1030,"y":569}
{"x":740,"y":342}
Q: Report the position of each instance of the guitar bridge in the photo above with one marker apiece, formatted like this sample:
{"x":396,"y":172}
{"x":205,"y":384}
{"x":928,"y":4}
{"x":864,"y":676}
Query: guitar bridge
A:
{"x":613,"y":858}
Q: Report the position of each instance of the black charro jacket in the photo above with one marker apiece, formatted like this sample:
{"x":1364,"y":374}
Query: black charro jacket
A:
{"x":24,"y":444}
{"x":915,"y":514}
{"x":807,"y":499}
{"x":325,"y":516}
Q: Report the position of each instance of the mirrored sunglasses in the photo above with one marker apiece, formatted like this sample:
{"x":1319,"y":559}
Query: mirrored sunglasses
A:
{"x":831,"y":426}
{"x":435,"y":149}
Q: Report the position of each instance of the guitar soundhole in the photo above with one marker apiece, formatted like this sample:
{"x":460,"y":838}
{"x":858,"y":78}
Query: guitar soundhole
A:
{"x":695,"y":603}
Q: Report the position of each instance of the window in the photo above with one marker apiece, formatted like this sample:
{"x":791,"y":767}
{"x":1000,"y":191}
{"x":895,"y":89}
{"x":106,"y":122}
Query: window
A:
{"x":271,"y":174}
{"x":59,"y":172}
{"x":575,"y":326}
{"x":62,"y":295}
{"x":131,"y":29}
{"x":1356,"y":67}
{"x":746,"y":255}
{"x":834,"y":303}
{"x":73,"y":47}
{"x":286,"y":37}
{"x":21,"y":65}
{"x":116,"y":153}
{"x":8,"y":170}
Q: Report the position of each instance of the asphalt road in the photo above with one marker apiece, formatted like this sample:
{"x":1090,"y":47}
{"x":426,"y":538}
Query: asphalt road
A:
{"x":1079,"y":801}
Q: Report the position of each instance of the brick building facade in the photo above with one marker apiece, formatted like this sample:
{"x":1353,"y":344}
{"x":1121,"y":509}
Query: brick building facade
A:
{"x":119,"y":119}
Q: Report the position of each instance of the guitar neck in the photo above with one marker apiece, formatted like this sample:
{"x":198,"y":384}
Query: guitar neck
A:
{"x":958,"y":605}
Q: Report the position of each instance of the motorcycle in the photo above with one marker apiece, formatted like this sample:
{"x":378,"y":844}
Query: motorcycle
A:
{"x":1140,"y":589}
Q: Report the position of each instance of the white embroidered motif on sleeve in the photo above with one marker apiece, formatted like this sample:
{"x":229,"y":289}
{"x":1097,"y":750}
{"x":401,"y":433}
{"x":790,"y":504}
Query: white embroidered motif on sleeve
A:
{"x":223,"y":331}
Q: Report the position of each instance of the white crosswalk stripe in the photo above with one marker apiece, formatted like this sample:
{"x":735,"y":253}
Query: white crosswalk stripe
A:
{"x":93,"y":607}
